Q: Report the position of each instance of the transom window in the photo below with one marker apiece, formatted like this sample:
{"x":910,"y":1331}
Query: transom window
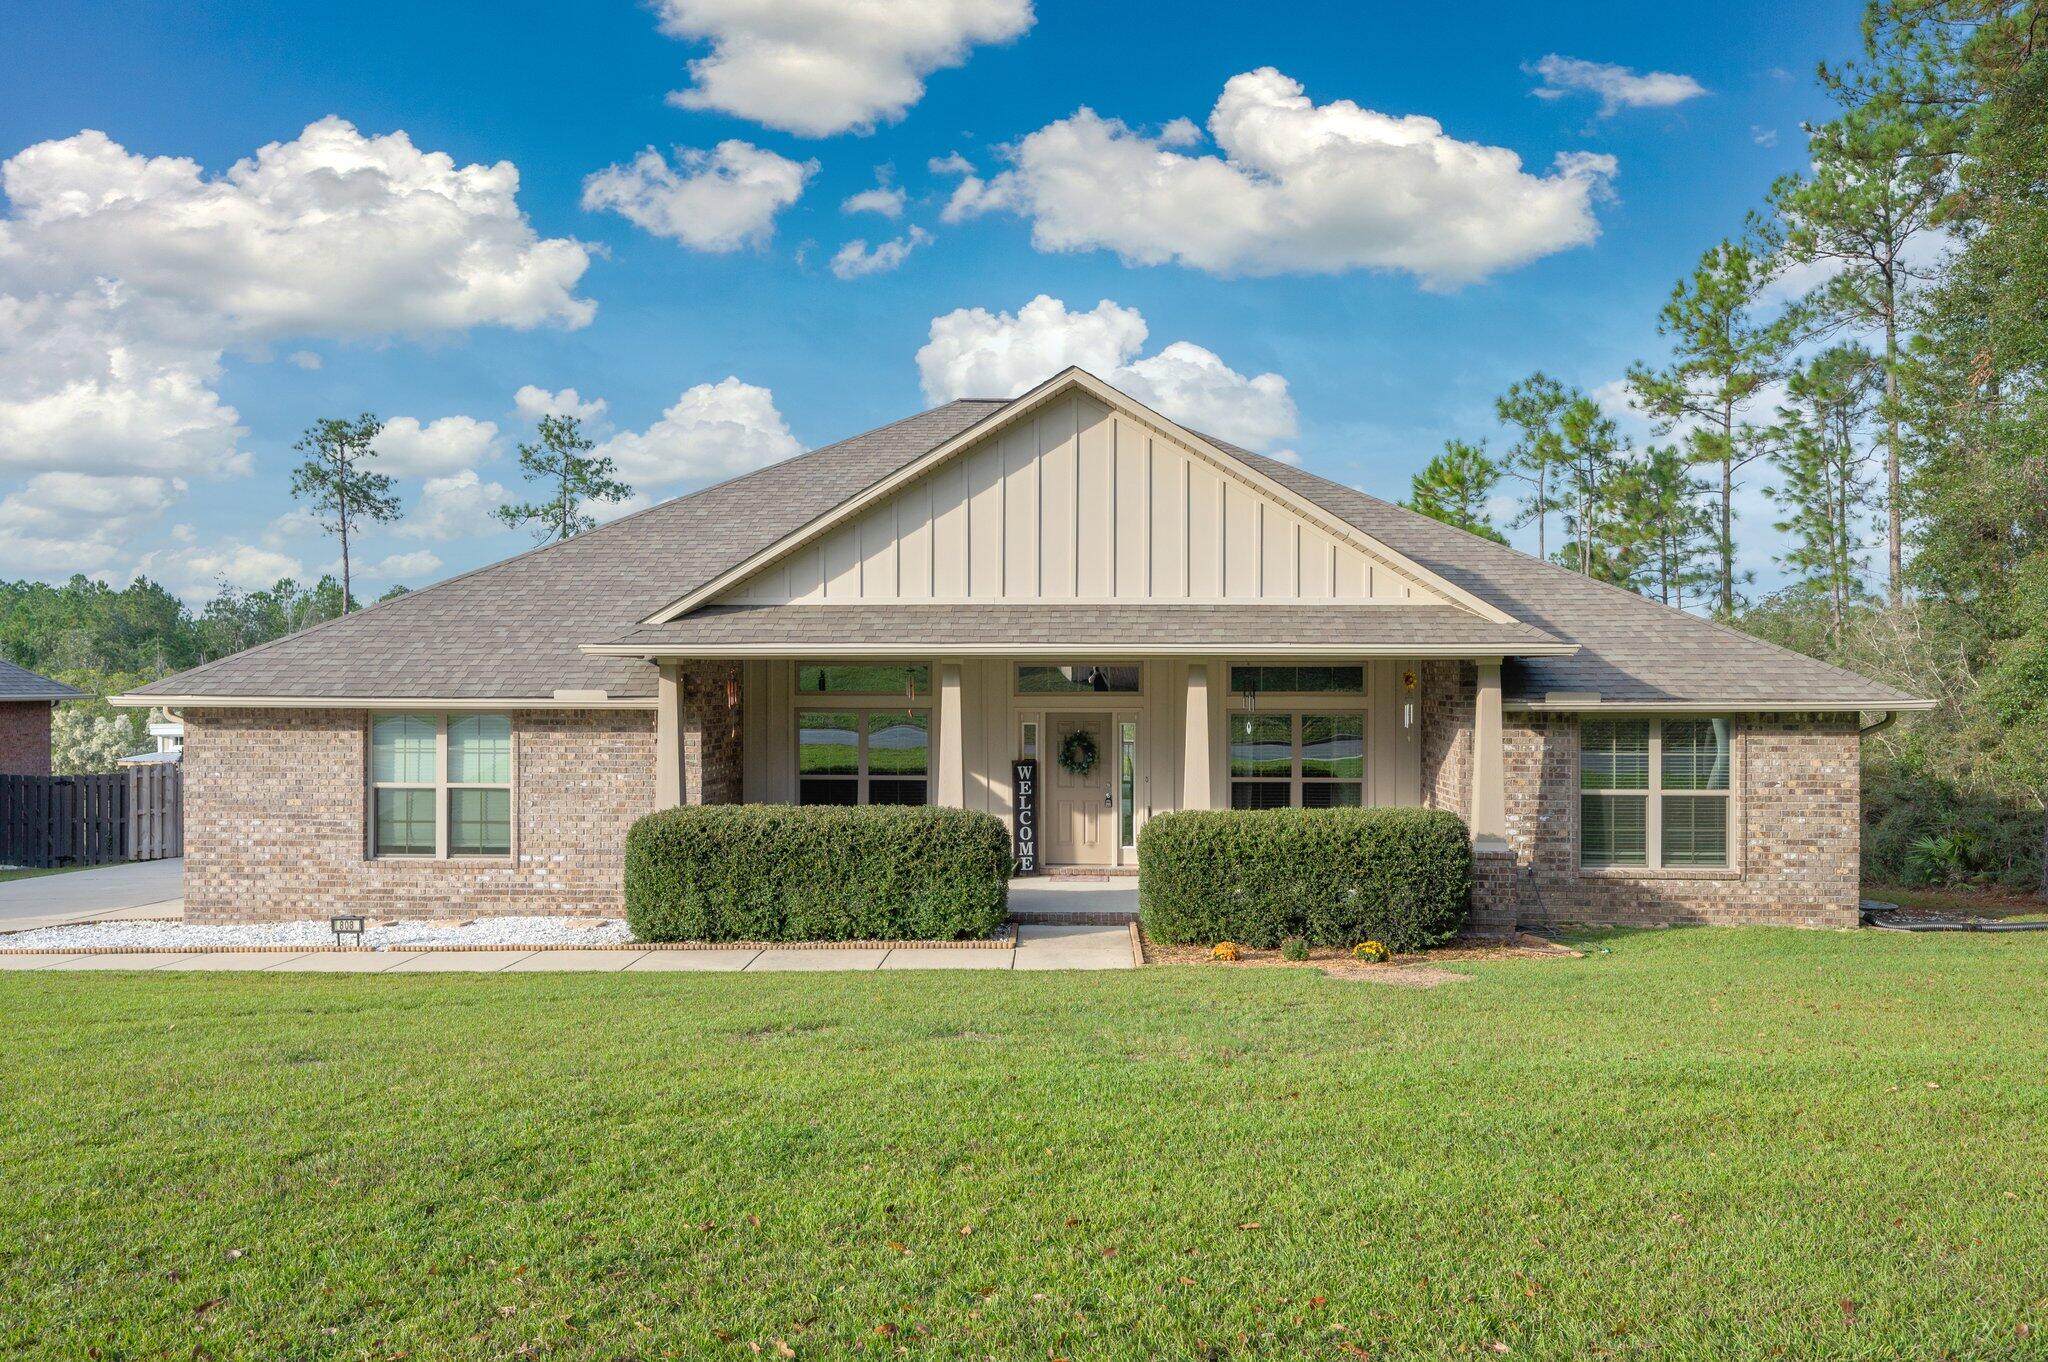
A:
{"x":1301,"y":761}
{"x":863,"y":756}
{"x":441,"y":785}
{"x":833,"y":678}
{"x":1654,"y":793}
{"x":1078,"y":678}
{"x":1297,"y":680}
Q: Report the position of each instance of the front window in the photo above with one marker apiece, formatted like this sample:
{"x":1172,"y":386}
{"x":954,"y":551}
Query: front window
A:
{"x":441,"y":785}
{"x":1245,"y":680}
{"x":1078,"y":678}
{"x":863,"y":756}
{"x":833,"y":678}
{"x":1300,"y":760}
{"x":1654,"y":793}
{"x":1127,"y":783}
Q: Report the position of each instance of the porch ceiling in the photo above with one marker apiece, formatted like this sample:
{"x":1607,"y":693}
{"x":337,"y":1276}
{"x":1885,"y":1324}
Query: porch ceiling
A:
{"x":1332,"y":629}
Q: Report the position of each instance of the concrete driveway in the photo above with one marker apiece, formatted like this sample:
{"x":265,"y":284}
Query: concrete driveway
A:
{"x":131,"y":889}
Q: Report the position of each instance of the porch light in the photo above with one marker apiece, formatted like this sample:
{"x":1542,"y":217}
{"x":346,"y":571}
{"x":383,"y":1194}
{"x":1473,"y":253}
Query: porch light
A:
{"x":347,"y":925}
{"x":732,"y":692}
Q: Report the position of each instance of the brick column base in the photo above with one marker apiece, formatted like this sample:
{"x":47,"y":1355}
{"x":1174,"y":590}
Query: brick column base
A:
{"x":1496,"y":893}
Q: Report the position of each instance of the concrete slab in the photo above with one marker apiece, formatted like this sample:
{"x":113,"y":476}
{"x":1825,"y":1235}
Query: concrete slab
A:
{"x":79,"y":894}
{"x":585,"y":962}
{"x":235,"y":960}
{"x":124,"y":960}
{"x":1062,"y":947}
{"x":940,"y":957}
{"x":340,"y":962}
{"x":1044,"y":898}
{"x":775,"y":959}
{"x":457,"y":962}
{"x":711,"y":961}
{"x":32,"y":961}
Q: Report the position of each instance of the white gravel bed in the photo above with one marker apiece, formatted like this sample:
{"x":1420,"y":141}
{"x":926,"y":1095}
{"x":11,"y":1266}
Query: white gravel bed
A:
{"x":170,"y":936}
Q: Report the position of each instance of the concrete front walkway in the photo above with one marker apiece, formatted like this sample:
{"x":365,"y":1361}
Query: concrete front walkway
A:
{"x":104,"y":893}
{"x":1038,"y":948}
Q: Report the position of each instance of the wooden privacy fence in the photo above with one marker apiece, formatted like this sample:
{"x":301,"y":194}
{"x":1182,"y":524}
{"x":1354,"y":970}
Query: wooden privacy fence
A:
{"x":132,"y":815}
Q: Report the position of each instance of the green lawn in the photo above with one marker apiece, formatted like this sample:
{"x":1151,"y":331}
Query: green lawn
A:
{"x":1689,"y":1144}
{"x":18,"y":874}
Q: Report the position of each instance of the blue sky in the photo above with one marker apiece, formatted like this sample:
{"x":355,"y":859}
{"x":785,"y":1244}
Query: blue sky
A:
{"x":147,"y":298}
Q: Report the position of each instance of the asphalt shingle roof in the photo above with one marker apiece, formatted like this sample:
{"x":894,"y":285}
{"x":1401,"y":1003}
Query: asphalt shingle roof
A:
{"x":1138,"y":627}
{"x":19,"y":683}
{"x":514,"y":630}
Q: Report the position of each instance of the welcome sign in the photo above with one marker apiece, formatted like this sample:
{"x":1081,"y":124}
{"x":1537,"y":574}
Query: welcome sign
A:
{"x":1024,"y":830}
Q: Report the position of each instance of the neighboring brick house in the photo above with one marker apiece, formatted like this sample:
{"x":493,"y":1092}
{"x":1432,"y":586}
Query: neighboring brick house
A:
{"x":897,"y":617}
{"x":26,"y":701}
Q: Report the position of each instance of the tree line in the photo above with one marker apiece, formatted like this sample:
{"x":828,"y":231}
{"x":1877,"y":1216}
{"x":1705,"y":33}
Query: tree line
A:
{"x":105,"y":640}
{"x":1893,"y":397}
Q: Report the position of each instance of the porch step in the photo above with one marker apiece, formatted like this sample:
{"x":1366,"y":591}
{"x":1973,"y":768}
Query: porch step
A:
{"x":1091,"y":872}
{"x":1052,"y":917}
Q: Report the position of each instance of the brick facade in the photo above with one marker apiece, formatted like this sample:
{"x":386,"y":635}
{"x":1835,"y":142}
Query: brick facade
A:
{"x":276,"y":819}
{"x":1797,"y":823}
{"x":25,"y":738}
{"x":713,"y":770}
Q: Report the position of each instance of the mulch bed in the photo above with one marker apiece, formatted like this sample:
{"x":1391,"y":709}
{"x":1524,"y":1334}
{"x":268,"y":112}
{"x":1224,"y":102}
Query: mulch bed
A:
{"x":1957,"y":905}
{"x":1419,"y":969}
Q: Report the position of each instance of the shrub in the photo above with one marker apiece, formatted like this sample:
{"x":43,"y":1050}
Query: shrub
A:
{"x":1371,"y":951}
{"x":1294,"y":948}
{"x":1920,"y":829}
{"x":773,"y":872}
{"x":1225,"y":951}
{"x":1333,"y":876}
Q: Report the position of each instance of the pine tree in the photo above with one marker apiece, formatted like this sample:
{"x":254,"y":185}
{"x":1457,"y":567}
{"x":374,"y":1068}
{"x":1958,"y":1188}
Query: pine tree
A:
{"x":562,"y":457}
{"x":1455,"y":486}
{"x":1881,"y":171}
{"x":1533,"y":406}
{"x":338,"y":483}
{"x":1665,"y":526}
{"x":1722,"y":353}
{"x":1593,"y":468}
{"x":1824,"y":485}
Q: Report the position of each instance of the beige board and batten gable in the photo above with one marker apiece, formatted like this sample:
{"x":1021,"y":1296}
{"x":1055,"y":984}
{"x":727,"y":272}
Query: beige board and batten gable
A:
{"x":1081,"y":501}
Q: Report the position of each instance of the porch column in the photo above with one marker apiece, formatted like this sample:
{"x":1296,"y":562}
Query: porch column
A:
{"x":1196,"y":756}
{"x":1489,"y":762}
{"x":668,"y":738}
{"x":951,"y":748}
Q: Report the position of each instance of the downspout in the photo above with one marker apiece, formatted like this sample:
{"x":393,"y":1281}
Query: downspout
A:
{"x":1890,"y":717}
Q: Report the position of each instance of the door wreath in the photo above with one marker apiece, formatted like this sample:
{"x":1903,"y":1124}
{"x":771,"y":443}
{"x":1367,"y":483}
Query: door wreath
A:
{"x":1077,"y":752}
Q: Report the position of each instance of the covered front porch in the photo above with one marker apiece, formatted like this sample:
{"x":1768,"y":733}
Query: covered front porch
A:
{"x":1116,"y":736}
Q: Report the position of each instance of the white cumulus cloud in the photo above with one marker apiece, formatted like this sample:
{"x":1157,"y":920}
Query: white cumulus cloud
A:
{"x":975,"y":353}
{"x":718,"y":200}
{"x":856,"y":259}
{"x":534,"y":402}
{"x":1617,"y":86}
{"x":1299,"y":188}
{"x":416,"y":564}
{"x":406,"y":449}
{"x":453,"y":507}
{"x":714,"y":430}
{"x":126,"y":279}
{"x":61,"y":523}
{"x":818,"y":67}
{"x":197,"y":572}
{"x":883,"y":199}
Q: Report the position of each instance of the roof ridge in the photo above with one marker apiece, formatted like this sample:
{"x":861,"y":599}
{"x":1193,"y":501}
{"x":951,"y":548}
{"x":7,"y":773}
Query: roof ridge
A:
{"x":539,"y":549}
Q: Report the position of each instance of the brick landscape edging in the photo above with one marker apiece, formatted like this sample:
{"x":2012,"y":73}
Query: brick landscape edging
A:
{"x":1006,"y":942}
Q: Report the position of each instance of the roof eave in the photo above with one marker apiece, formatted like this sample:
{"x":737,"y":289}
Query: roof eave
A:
{"x":493,"y":704}
{"x":653,"y":650}
{"x":1870,"y":704}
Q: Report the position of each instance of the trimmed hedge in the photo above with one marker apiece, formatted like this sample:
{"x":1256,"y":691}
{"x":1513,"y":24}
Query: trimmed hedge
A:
{"x":1335,"y":876}
{"x":775,"y":872}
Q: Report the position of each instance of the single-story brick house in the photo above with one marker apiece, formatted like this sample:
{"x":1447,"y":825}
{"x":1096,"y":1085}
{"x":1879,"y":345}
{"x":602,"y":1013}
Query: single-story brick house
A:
{"x":26,"y":701}
{"x":1163,"y":620}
